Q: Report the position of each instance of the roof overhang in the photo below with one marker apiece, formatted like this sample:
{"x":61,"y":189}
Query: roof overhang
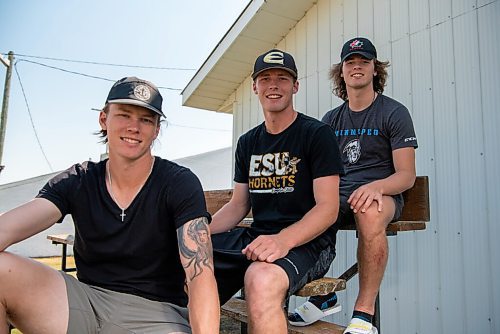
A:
{"x":260,"y":27}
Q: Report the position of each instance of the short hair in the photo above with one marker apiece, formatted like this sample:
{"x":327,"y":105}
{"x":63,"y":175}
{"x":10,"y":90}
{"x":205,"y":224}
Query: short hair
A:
{"x":339,"y":87}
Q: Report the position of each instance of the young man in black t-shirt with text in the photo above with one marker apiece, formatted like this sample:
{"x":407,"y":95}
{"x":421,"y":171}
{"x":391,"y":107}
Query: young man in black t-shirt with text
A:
{"x":287,"y":171}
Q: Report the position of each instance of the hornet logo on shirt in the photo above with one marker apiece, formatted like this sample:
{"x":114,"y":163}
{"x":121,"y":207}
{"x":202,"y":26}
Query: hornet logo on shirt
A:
{"x":272,"y":173}
{"x":353,"y":151}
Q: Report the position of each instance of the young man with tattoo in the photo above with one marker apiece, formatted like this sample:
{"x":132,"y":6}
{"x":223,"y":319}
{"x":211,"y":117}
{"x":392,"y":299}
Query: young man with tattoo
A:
{"x":142,"y":246}
{"x":377,"y":140}
{"x":287,"y":171}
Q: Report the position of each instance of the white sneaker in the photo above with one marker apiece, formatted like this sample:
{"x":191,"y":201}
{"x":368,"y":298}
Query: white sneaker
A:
{"x":359,"y":326}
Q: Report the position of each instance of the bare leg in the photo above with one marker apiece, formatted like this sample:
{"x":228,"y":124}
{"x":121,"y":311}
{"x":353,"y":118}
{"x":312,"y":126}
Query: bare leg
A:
{"x":266,"y":285}
{"x":372,"y":253}
{"x":32,"y":296}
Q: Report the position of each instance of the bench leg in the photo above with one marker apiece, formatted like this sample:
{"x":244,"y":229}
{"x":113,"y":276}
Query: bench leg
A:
{"x":376,"y":316}
{"x":64,"y":253}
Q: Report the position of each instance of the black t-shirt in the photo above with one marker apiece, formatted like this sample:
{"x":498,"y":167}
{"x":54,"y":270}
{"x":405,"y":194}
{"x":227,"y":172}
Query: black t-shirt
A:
{"x":279,"y":170}
{"x":367,"y":138}
{"x":140,"y":255}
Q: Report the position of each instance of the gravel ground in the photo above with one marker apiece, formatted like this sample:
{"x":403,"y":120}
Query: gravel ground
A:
{"x":229,"y":326}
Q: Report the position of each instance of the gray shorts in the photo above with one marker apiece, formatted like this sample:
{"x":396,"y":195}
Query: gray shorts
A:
{"x":97,"y":310}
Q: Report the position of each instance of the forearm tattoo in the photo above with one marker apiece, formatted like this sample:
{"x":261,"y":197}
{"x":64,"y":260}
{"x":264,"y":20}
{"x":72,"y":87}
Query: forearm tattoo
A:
{"x":195,"y":247}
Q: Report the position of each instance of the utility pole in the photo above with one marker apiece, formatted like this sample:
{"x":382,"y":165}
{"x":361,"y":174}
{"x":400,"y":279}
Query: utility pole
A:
{"x":9,"y":63}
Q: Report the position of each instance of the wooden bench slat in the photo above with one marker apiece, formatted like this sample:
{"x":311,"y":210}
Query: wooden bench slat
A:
{"x":416,"y":199}
{"x":416,"y":211}
{"x":67,"y":239}
{"x":236,"y":309}
{"x":321,"y":287}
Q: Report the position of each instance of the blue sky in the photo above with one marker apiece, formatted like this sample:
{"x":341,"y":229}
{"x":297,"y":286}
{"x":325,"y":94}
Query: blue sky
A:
{"x":168,"y":34}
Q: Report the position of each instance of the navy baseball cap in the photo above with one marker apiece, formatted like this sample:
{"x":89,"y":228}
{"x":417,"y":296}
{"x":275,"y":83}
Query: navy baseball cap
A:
{"x":274,"y":59}
{"x":138,"y":92}
{"x":358,"y":45}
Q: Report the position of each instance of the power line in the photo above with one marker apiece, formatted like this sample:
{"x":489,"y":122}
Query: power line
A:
{"x":83,"y":74}
{"x":31,"y":119}
{"x":108,"y":64}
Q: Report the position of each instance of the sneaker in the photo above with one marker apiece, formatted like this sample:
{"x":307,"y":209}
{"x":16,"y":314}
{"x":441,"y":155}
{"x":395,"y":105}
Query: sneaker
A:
{"x":309,"y":312}
{"x":359,"y":326}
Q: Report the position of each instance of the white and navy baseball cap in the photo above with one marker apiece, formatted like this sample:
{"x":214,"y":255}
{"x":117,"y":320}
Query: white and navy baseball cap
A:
{"x":274,"y":59}
{"x":135,"y":91}
{"x":358,"y":45}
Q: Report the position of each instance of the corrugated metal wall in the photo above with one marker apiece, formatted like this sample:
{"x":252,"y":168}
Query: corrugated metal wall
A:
{"x":445,"y":57}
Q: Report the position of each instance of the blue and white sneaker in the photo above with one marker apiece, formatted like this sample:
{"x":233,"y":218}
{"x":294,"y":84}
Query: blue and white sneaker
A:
{"x":308,"y":313}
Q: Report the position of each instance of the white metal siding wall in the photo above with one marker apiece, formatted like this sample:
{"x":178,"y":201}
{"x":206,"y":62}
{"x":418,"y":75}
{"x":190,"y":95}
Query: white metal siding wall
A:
{"x":445,"y":67}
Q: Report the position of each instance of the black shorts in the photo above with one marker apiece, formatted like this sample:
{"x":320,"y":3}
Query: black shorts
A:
{"x":346,"y":216}
{"x":302,"y":264}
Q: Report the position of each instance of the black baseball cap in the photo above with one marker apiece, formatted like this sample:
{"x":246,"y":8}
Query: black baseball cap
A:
{"x":132,"y":90}
{"x":358,"y":45}
{"x":274,"y":59}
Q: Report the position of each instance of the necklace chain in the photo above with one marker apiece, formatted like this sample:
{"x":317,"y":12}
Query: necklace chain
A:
{"x":123,"y":214}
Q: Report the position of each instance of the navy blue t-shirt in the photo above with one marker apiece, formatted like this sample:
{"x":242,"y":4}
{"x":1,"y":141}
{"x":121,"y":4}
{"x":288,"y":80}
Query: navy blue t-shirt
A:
{"x":140,"y":255}
{"x":367,"y":138}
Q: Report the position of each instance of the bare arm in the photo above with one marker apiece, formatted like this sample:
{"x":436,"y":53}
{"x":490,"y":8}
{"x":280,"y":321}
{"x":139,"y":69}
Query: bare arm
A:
{"x":272,"y":247}
{"x":402,"y":179}
{"x":26,"y":220}
{"x":195,"y":249}
{"x":233,"y":211}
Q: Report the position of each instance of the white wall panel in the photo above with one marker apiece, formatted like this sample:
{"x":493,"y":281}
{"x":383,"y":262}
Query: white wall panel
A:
{"x":471,"y":159}
{"x":365,"y":18}
{"x":312,"y":80}
{"x":350,"y":19}
{"x":301,"y":62}
{"x":461,"y":7}
{"x":489,"y":61}
{"x":422,"y":109}
{"x":419,"y":15}
{"x":440,"y":11}
{"x":399,"y":19}
{"x":401,"y":71}
{"x":324,"y":58}
{"x":447,"y":197}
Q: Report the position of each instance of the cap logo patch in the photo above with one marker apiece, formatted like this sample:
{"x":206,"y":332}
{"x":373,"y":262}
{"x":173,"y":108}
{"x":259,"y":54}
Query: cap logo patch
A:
{"x":274,"y":57}
{"x":142,"y":92}
{"x":356,"y":44}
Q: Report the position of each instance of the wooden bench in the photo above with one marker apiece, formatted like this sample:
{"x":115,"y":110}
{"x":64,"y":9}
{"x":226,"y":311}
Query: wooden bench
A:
{"x":416,"y":213}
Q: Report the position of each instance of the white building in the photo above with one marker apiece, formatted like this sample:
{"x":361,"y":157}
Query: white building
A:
{"x":445,"y":68}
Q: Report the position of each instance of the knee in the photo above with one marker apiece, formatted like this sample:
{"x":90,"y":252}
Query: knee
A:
{"x":371,"y":224}
{"x":265,"y":282}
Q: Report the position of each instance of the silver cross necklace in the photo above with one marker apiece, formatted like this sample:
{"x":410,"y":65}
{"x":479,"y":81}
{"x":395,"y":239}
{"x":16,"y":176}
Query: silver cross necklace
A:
{"x":123,"y":214}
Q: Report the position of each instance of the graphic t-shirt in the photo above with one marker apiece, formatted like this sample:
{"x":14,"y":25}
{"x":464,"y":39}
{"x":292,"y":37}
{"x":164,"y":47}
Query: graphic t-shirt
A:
{"x":280,"y":168}
{"x":367,"y":138}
